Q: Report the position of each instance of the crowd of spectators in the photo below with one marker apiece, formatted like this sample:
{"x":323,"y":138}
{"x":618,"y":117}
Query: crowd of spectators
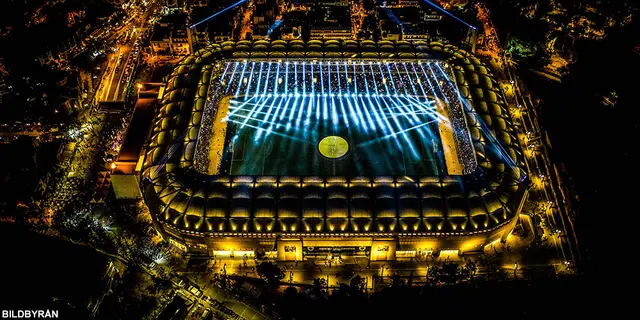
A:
{"x":201,"y":156}
{"x":456,"y":115}
{"x":416,"y":79}
{"x":98,"y":140}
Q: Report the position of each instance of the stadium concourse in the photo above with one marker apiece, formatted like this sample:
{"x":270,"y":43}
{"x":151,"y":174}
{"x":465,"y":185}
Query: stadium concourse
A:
{"x":431,"y":161}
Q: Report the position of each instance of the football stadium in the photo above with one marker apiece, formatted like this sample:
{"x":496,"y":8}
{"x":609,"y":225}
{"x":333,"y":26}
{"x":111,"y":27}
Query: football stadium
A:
{"x":302,"y":150}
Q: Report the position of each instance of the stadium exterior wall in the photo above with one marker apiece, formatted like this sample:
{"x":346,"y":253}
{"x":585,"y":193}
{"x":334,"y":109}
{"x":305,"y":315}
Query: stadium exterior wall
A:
{"x":201,"y":214}
{"x":283,"y":244}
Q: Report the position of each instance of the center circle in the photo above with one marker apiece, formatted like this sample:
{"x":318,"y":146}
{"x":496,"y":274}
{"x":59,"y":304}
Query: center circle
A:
{"x":333,"y":147}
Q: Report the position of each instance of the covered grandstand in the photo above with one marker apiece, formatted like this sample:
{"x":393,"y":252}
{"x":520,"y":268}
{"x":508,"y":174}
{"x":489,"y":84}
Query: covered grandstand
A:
{"x":222,"y":213}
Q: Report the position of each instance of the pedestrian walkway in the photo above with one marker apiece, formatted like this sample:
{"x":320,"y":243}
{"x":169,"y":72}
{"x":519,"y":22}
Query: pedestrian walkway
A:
{"x":240,"y":308}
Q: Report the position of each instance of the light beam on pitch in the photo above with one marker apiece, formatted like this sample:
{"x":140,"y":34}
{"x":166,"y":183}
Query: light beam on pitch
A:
{"x":293,"y":110}
{"x":415,"y":72}
{"x":235,"y":67}
{"x":244,"y":68}
{"x":267,"y":115}
{"x":368,"y":97}
{"x":325,"y":111}
{"x":259,"y":78}
{"x":387,"y":126}
{"x":334,"y":112}
{"x":416,"y":127}
{"x":413,"y":87}
{"x":346,"y":96}
{"x":248,"y":89}
{"x":344,"y":112}
{"x":286,"y":77}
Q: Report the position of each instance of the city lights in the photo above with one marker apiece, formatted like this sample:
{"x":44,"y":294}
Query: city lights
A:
{"x":256,"y":159}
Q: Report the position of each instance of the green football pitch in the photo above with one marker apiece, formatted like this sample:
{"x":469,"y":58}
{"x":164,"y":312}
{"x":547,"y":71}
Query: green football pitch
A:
{"x":281,"y":136}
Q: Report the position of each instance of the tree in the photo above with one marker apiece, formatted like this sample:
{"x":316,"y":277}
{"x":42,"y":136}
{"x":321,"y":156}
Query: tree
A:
{"x":343,"y":292}
{"x":450,"y":273}
{"x":396,"y":280}
{"x":318,"y":284}
{"x":290,"y":292}
{"x":270,"y":272}
{"x":521,"y":49}
{"x":161,"y":284}
{"x":357,"y":283}
{"x":259,"y":253}
{"x":539,"y":59}
{"x":131,"y":297}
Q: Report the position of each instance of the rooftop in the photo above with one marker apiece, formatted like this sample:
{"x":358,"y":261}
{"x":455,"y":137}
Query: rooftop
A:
{"x":173,"y":21}
{"x":137,"y":130}
{"x":125,"y":186}
{"x":160,"y":34}
{"x":330,"y":17}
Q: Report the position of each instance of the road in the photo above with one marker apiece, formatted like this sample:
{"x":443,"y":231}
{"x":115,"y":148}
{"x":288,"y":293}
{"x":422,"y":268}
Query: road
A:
{"x":342,"y":271}
{"x":238,"y":307}
{"x":546,"y":191}
{"x":212,"y":297}
{"x":91,"y":122}
{"x":114,"y":88}
{"x":116,"y":79}
{"x":546,"y":185}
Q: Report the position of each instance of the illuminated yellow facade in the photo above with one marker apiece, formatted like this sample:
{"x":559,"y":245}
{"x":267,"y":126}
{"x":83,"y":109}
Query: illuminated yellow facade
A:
{"x":300,"y":217}
{"x":374,"y":246}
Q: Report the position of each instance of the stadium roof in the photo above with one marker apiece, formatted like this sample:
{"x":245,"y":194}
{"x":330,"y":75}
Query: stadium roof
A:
{"x":125,"y":186}
{"x":187,"y":200}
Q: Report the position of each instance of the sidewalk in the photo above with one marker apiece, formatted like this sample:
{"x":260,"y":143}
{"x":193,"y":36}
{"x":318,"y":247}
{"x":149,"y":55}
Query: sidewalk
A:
{"x":233,"y":266}
{"x":239,"y":307}
{"x":304,"y":272}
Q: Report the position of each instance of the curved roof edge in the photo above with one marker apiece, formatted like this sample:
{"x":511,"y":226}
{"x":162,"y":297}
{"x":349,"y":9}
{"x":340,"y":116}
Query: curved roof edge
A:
{"x":478,"y":202}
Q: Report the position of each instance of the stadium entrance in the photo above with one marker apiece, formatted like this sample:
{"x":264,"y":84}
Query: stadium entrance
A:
{"x":342,"y":251}
{"x":374,"y":249}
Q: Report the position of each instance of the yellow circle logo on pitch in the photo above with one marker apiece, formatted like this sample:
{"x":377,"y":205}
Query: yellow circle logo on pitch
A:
{"x":333,"y":147}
